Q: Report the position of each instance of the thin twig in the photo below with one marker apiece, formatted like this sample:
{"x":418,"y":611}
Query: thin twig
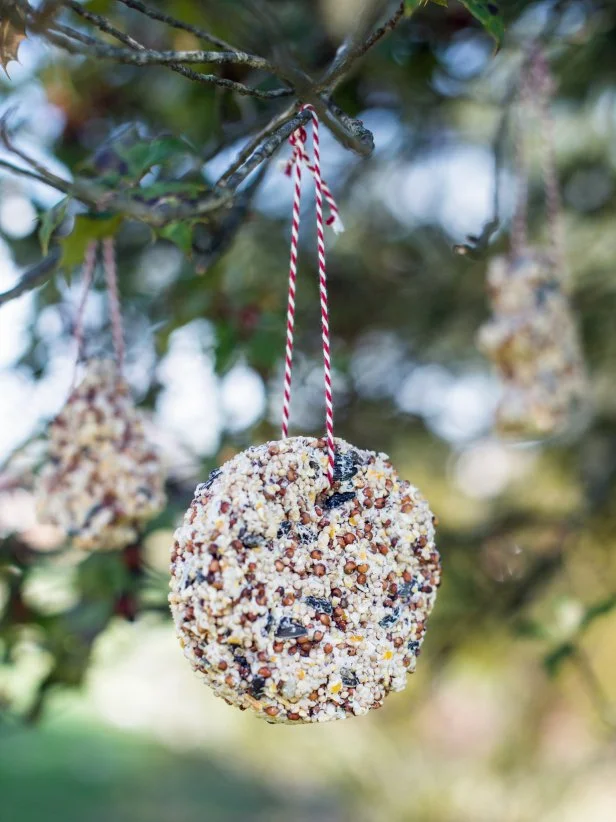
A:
{"x":357,"y":45}
{"x":34,"y":276}
{"x":102,"y":24}
{"x":202,"y":34}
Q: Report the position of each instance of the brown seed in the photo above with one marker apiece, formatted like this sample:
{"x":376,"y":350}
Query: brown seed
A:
{"x":383,"y":549}
{"x":352,"y":652}
{"x":273,"y":449}
{"x":229,"y":680}
{"x":279,"y":565}
{"x":262,"y":656}
{"x":314,"y":696}
{"x":305,"y":518}
{"x":324,"y":619}
{"x":349,"y":567}
{"x":320,"y":570}
{"x":291,"y":475}
{"x":217,"y":586}
{"x":237,"y":544}
{"x":214,"y":566}
{"x":407,"y":508}
{"x":407,"y":576}
{"x":398,"y":642}
{"x":304,"y":640}
{"x":224,"y":507}
{"x":290,"y":553}
{"x":271,"y":710}
{"x":380,"y":502}
{"x":189,"y":613}
{"x":349,"y":538}
{"x":368,"y":492}
{"x":336,"y":592}
{"x":278,"y":646}
{"x":289,"y":599}
{"x":338,"y":612}
{"x":264,"y":671}
{"x":222,"y":665}
{"x":294,"y":649}
{"x":261,"y":600}
{"x":368,"y":503}
{"x":317,"y":636}
{"x":328,"y":648}
{"x":293,"y":716}
{"x":363,"y":568}
{"x":361,"y":579}
{"x":316,"y":554}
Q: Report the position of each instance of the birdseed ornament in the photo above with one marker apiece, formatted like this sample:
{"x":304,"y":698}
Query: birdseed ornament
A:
{"x":304,"y":572}
{"x":531,"y":337}
{"x":533,"y":342}
{"x":103,"y":479}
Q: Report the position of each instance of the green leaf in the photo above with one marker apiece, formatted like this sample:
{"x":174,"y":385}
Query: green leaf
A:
{"x":50,"y":221}
{"x":180,"y":233}
{"x":555,"y":658}
{"x":141,"y":156}
{"x":87,"y":227}
{"x":489,"y":15}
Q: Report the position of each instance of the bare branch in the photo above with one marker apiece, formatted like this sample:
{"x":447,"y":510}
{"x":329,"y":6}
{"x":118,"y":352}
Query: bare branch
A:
{"x":356,"y":46}
{"x":177,"y":24}
{"x":65,"y":37}
{"x":102,"y":24}
{"x":34,"y":276}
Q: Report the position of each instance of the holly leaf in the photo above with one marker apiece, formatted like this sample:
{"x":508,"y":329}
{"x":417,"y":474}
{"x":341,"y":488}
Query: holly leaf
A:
{"x":87,"y":227}
{"x":180,"y":233}
{"x":50,"y":221}
{"x":486,"y":12}
{"x":490,"y":17}
{"x":141,"y":156}
{"x":12,"y":31}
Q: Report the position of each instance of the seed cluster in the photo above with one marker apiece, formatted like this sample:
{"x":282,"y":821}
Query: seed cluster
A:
{"x":103,"y":479}
{"x":533,"y":342}
{"x":301,"y":601}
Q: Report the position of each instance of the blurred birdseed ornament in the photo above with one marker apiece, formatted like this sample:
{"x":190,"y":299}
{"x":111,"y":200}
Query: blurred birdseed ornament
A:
{"x":305,"y":570}
{"x":103,"y":479}
{"x":531,"y":337}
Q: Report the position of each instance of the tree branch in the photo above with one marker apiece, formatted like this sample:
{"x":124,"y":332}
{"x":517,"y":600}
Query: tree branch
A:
{"x":177,"y":24}
{"x":356,"y":46}
{"x":34,"y":276}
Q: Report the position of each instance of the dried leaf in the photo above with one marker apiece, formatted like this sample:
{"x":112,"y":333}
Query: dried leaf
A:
{"x":12,"y":31}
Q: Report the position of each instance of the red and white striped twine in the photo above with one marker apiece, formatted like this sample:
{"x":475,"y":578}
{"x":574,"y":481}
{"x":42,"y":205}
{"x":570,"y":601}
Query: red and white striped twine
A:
{"x":301,"y":157}
{"x":113,"y":295}
{"x":87,"y":273}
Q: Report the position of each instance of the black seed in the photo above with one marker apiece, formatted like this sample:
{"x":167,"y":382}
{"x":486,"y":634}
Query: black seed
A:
{"x":306,"y":535}
{"x":413,"y":646}
{"x":250,"y":540}
{"x":239,"y":657}
{"x":349,"y":678}
{"x":209,"y":481}
{"x":289,"y":629}
{"x":320,"y":604}
{"x":268,"y":625}
{"x":284,"y":529}
{"x":390,"y":619}
{"x":345,"y":466}
{"x":407,"y":589}
{"x":314,"y":465}
{"x":257,"y":686}
{"x":338,"y":499}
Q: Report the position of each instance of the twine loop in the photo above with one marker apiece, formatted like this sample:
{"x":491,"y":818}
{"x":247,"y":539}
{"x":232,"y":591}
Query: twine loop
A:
{"x":113,"y":297}
{"x":293,"y":168}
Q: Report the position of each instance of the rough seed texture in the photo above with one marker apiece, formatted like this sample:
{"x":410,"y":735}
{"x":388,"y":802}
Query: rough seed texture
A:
{"x":301,"y":601}
{"x":103,"y":479}
{"x":532,"y":341}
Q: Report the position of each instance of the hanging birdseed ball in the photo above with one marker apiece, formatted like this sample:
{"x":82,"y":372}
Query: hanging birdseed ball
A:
{"x":103,"y":480}
{"x":301,"y":601}
{"x":533,"y":342}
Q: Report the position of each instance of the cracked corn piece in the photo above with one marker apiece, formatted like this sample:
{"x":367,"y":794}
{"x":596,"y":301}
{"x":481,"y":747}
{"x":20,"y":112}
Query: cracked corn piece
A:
{"x":299,"y":601}
{"x":103,"y":480}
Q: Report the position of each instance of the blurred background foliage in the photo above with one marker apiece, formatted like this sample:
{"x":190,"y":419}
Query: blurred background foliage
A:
{"x":511,"y":715}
